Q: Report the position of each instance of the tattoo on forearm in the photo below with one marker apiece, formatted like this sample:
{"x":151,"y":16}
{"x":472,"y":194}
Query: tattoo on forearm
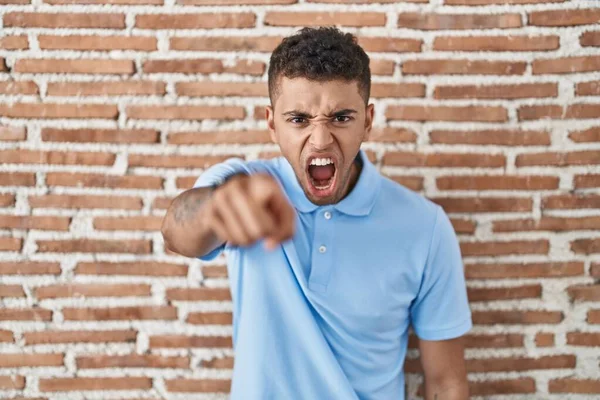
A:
{"x":186,"y":207}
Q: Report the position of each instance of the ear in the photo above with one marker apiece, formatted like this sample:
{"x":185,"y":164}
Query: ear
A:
{"x":369,"y":115}
{"x":270,"y":116}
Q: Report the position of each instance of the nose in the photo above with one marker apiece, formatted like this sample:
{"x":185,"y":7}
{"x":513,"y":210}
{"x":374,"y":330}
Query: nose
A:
{"x":321,"y":136}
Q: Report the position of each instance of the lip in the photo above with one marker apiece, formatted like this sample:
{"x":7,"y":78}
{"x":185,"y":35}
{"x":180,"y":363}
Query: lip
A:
{"x":331,"y":189}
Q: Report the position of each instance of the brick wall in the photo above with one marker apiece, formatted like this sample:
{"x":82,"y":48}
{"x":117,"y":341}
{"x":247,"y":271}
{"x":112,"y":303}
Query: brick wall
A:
{"x":110,"y":108}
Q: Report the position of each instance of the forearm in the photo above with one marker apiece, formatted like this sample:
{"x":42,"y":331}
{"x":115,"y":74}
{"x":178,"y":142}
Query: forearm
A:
{"x":455,"y":390}
{"x":183,"y":229}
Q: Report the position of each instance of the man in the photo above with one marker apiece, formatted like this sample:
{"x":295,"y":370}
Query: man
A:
{"x":329,"y":262}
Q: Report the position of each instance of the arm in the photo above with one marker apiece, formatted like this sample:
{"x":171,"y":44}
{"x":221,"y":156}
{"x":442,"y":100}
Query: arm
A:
{"x":183,"y":228}
{"x":444,"y":369}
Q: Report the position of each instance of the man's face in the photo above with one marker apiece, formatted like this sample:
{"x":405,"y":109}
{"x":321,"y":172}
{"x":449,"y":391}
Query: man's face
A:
{"x":319,"y":127}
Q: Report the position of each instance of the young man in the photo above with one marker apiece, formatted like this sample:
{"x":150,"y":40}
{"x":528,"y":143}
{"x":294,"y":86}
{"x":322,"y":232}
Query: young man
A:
{"x":329,"y":262}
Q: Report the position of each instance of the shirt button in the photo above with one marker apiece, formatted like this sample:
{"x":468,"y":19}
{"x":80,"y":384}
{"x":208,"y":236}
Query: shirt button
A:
{"x":322,"y":249}
{"x":327,"y":215}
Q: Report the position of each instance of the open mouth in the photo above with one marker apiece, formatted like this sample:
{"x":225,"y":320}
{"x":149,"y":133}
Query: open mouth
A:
{"x":321,"y":176}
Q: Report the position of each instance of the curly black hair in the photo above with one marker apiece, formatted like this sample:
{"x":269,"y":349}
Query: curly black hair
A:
{"x":320,"y":54}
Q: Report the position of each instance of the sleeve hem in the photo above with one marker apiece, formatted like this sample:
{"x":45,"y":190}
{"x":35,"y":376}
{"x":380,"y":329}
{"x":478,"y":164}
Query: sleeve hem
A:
{"x":444,"y":334}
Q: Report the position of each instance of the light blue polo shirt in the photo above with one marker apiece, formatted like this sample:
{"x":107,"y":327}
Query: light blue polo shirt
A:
{"x":326,"y":314}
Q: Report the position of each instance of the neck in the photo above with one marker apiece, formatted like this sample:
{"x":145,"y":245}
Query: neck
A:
{"x":355,"y":170}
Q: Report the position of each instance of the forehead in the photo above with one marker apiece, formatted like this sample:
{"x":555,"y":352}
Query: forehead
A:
{"x":326,"y":96}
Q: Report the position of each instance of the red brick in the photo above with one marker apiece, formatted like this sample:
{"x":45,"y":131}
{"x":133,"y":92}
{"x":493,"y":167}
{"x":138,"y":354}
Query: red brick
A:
{"x":520,"y":317}
{"x":210,"y":318}
{"x":11,"y":291}
{"x":10,"y":244}
{"x":566,"y":65}
{"x":590,"y":38}
{"x":203,"y":66}
{"x":29,"y":268}
{"x":583,"y":111}
{"x":95,"y":246}
{"x":16,"y":42}
{"x":100,"y":135}
{"x":571,"y":17}
{"x":485,"y":2}
{"x":198,"y":385}
{"x":593,"y":317}
{"x":527,"y":113}
{"x":195,"y":21}
{"x":137,"y":223}
{"x":447,"y":113}
{"x":216,"y":271}
{"x":25,"y":314}
{"x":234,"y":2}
{"x":520,"y":91}
{"x":242,"y":89}
{"x":413,"y":20}
{"x":521,"y":363}
{"x":74,"y":66}
{"x":524,"y":270}
{"x":131,"y":269}
{"x":175,"y":161}
{"x":64,"y":20}
{"x":120,"y":313}
{"x":586,"y":136}
{"x":591,"y":88}
{"x":496,"y":43}
{"x":544,"y":339}
{"x":412,"y":182}
{"x":399,"y":90}
{"x":588,"y":339}
{"x":219,"y":137}
{"x":132,"y":361}
{"x":91,"y":290}
{"x":462,"y":67}
{"x":223,"y":363}
{"x":40,"y":222}
{"x":7,"y":200}
{"x":18,"y":87}
{"x":96,"y":336}
{"x":103,"y":181}
{"x":225,"y":43}
{"x":97,"y":43}
{"x":375,"y":44}
{"x":19,"y":360}
{"x":11,"y":134}
{"x":115,"y":2}
{"x":129,"y":88}
{"x":497,"y":248}
{"x":491,"y":137}
{"x":505,"y":293}
{"x":484,"y":204}
{"x":393,"y":135}
{"x":85,"y":202}
{"x":443,"y":160}
{"x":176,"y":341}
{"x":83,"y":384}
{"x":573,"y":385}
{"x":198,"y":294}
{"x":17,"y":179}
{"x":584,"y":292}
{"x":584,"y":157}
{"x":505,"y":340}
{"x":594,"y":270}
{"x":505,"y":386}
{"x":554,"y":224}
{"x":585,"y":246}
{"x":186,"y":112}
{"x":54,"y":110}
{"x":161,"y":203}
{"x":281,"y":18}
{"x":500,"y":182}
{"x":12,"y":382}
{"x":586,"y":181}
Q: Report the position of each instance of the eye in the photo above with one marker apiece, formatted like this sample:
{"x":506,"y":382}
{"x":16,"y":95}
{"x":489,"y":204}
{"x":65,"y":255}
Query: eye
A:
{"x":342,"y":118}
{"x":297,"y":120}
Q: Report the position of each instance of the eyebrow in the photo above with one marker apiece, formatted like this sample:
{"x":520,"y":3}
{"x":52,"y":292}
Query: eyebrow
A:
{"x":299,"y":113}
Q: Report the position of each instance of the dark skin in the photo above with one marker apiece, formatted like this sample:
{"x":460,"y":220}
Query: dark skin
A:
{"x":306,"y":119}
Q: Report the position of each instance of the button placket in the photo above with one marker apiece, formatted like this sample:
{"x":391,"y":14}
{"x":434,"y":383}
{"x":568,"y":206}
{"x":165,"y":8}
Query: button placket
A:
{"x":322,"y":251}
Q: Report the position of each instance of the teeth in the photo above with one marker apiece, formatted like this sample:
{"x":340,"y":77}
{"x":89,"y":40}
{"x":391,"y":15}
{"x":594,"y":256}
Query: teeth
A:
{"x":321,"y":161}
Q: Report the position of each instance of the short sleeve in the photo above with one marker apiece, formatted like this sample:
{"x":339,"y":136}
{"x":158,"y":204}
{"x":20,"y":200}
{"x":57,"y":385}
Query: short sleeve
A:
{"x":441,"y":308}
{"x":216,"y":175}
